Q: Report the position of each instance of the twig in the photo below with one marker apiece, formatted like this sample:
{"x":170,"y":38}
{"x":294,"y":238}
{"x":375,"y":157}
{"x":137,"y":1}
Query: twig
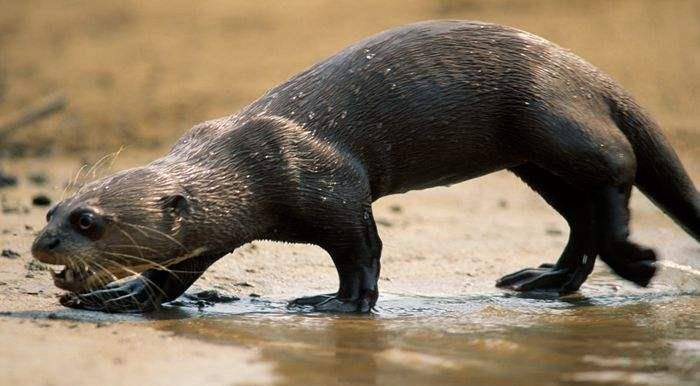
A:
{"x":43,"y":109}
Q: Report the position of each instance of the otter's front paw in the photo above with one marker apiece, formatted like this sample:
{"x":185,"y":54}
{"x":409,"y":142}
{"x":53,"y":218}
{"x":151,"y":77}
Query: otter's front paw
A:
{"x":134,"y":296}
{"x":333,"y":303}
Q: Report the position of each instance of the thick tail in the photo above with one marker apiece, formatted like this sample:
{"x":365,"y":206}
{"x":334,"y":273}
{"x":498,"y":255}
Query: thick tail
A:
{"x":660,"y":174}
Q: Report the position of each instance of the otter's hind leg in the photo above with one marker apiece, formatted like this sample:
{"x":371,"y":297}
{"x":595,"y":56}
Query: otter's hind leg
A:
{"x":629,"y":260}
{"x":577,"y":260}
{"x":593,"y":155}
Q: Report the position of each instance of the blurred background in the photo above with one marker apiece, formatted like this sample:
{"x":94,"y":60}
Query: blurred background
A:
{"x":139,"y":73}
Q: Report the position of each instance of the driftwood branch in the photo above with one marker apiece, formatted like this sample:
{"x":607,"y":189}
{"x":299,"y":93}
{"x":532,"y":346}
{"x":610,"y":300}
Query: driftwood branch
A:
{"x":40,"y":110}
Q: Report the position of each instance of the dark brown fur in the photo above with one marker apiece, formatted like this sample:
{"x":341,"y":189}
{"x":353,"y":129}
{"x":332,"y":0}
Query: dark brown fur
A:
{"x":418,"y":106}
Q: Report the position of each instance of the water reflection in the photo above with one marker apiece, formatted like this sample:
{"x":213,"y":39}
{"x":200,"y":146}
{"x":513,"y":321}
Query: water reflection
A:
{"x":610,"y":339}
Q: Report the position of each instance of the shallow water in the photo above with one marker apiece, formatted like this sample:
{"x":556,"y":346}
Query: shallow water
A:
{"x":606,"y":335}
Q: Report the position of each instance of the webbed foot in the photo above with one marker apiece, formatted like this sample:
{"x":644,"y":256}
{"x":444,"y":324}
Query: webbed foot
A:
{"x":333,"y":303}
{"x":548,"y":277}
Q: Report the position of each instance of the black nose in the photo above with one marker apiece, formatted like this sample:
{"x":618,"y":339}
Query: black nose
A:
{"x":46,"y":243}
{"x":44,"y":248}
{"x":53,"y":243}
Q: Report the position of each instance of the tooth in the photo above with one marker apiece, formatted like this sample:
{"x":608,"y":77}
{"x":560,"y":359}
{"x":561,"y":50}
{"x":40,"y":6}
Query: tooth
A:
{"x":69,"y":275}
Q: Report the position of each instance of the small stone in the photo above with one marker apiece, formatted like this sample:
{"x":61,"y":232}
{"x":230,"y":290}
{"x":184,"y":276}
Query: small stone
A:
{"x":7,"y":180}
{"x":41,"y":200}
{"x":212,"y":296}
{"x":34,"y":265}
{"x":37,"y":178}
{"x":10,"y":254}
{"x":553,"y":231}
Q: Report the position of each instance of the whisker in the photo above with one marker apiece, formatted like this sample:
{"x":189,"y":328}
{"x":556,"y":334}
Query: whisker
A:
{"x":144,"y":279}
{"x":137,"y":228}
{"x":128,"y":236}
{"x":135,"y":247}
{"x":116,"y":154}
{"x":148,"y":262}
{"x":140,"y":277}
{"x":71,"y":182}
{"x":93,"y":169}
{"x":105,"y":270}
{"x":104,"y":284}
{"x":167,"y":236}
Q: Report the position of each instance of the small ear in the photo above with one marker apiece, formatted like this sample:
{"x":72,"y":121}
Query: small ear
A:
{"x":177,"y":203}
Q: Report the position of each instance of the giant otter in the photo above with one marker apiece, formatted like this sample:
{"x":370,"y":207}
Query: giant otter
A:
{"x":414,"y":107}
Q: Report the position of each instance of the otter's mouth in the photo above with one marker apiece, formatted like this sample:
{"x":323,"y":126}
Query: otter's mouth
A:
{"x":85,"y":279}
{"x":72,"y":278}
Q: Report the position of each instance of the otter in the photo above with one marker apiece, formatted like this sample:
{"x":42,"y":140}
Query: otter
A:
{"x":422,"y":105}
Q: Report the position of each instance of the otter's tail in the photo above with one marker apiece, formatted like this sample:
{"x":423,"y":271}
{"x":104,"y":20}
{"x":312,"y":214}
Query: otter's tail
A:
{"x":660,"y":174}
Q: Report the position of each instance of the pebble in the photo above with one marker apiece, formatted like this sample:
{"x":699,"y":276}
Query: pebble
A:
{"x":212,"y":296}
{"x":41,"y":200}
{"x":10,"y":254}
{"x":37,"y":178}
{"x":7,"y":180}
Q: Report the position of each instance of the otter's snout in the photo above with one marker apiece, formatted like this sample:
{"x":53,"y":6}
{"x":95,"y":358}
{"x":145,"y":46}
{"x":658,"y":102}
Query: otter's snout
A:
{"x":45,"y":247}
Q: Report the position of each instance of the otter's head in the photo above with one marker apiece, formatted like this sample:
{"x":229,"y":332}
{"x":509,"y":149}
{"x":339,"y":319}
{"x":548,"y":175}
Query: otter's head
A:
{"x":115,"y":227}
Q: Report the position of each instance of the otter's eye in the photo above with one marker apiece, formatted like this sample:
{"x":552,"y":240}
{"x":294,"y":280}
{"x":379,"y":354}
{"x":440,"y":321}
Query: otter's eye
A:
{"x":86,"y":221}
